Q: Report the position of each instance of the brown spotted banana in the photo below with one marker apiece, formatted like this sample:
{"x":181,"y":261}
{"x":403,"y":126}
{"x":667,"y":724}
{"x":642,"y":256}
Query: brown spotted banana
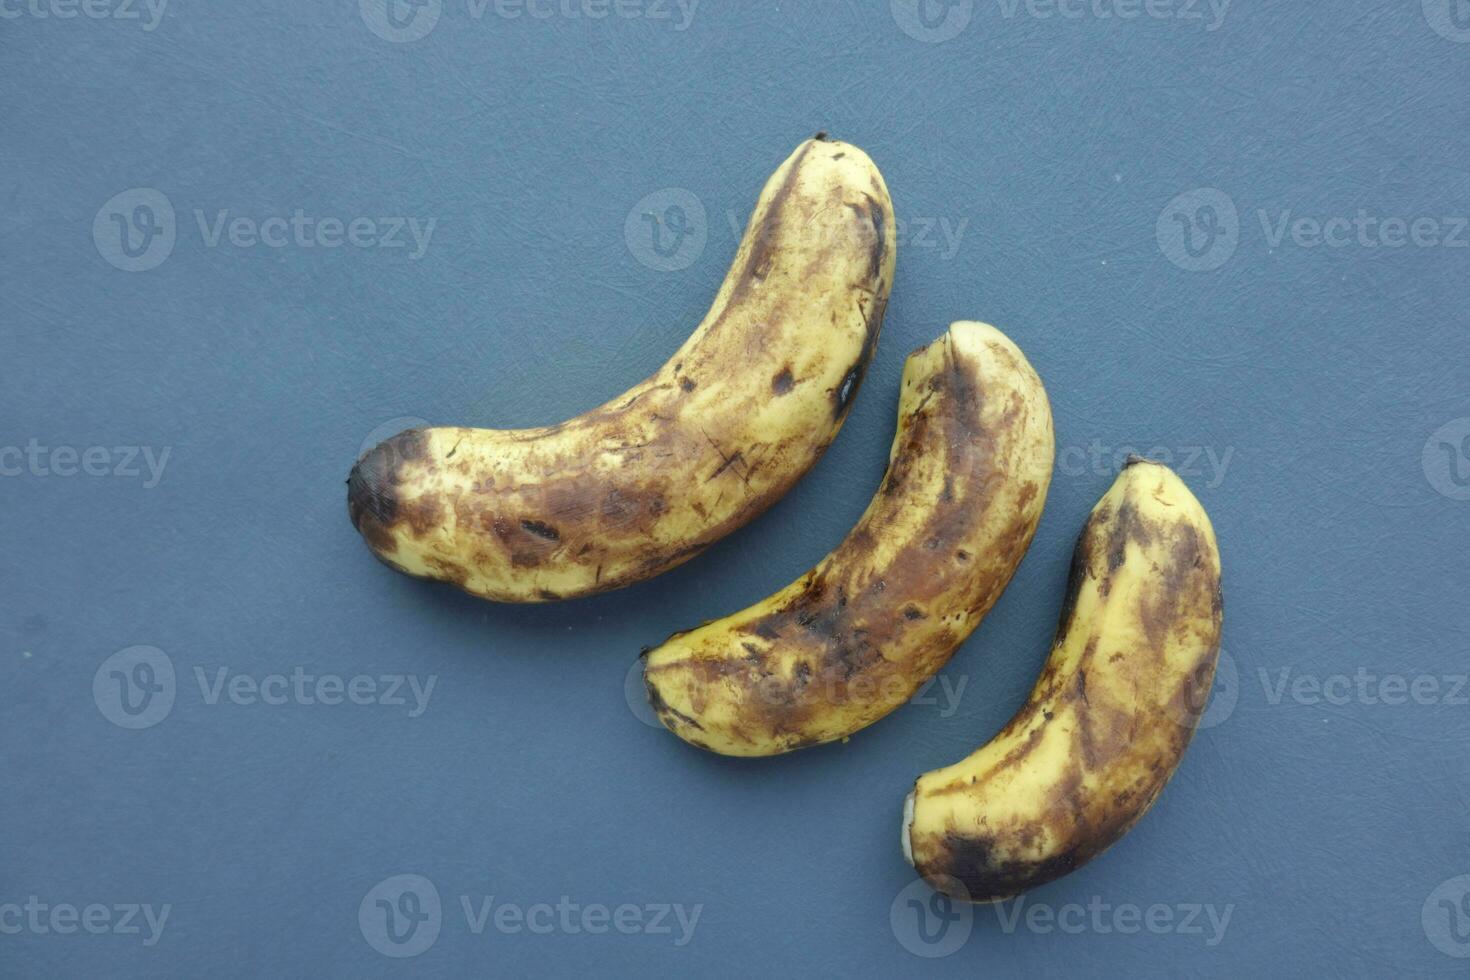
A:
{"x":653,"y":477}
{"x":1107,"y":723}
{"x":856,"y":636}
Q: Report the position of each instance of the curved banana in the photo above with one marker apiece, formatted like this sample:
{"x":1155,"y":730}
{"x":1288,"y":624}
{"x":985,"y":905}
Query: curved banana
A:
{"x":653,"y":477}
{"x":1109,"y":719}
{"x":853,"y":638}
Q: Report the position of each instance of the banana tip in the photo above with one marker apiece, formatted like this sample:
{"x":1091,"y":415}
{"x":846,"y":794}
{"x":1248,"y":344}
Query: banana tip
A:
{"x":908,"y":822}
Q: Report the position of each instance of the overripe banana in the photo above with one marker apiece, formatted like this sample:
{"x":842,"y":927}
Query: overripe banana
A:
{"x":1108,"y":721}
{"x":853,"y":638}
{"x":653,"y":477}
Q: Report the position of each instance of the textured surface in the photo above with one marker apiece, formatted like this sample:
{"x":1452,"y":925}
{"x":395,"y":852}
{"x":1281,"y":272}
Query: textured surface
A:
{"x":855,"y":638}
{"x":1045,"y":170}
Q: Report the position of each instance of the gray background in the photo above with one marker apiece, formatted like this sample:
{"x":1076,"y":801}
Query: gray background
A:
{"x":1315,"y":396}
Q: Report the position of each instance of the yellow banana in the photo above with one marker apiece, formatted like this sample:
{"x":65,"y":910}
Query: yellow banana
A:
{"x":653,"y":477}
{"x":853,"y":638}
{"x":1108,"y":721}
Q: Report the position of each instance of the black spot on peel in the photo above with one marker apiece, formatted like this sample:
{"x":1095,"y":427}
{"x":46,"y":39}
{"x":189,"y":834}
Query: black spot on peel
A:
{"x":842,"y":397}
{"x":880,"y":244}
{"x":543,"y":531}
{"x":783,"y":382}
{"x":1081,"y":558}
{"x":687,"y":384}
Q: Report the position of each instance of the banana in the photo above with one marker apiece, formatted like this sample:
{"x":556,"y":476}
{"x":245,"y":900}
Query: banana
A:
{"x":853,"y":638}
{"x":650,"y":479}
{"x":1108,"y":721}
